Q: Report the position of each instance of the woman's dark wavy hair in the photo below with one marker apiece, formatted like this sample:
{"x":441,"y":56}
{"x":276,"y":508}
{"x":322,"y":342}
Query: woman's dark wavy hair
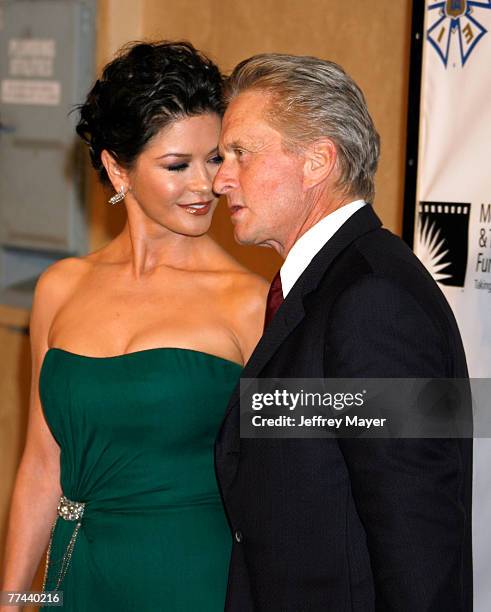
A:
{"x":146,"y":87}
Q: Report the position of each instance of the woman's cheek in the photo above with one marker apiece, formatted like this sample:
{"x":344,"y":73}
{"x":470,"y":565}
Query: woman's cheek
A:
{"x":172,"y":187}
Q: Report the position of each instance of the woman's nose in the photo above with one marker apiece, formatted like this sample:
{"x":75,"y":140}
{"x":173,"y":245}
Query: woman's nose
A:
{"x":202,"y":182}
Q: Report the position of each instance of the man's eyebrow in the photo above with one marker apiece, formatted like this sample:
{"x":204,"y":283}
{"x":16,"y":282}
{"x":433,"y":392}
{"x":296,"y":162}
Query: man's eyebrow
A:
{"x":234,"y":144}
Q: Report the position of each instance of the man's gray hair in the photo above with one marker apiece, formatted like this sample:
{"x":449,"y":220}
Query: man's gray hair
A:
{"x":313,"y":98}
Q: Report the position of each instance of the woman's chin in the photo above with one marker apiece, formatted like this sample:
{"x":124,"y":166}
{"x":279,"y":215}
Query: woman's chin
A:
{"x":192,"y":226}
{"x":194,"y":230}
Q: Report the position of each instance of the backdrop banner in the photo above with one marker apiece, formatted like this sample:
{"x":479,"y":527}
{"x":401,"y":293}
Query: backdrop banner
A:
{"x":453,"y":207}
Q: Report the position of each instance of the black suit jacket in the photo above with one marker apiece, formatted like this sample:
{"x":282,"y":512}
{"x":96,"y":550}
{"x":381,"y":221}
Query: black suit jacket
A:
{"x":352,"y":524}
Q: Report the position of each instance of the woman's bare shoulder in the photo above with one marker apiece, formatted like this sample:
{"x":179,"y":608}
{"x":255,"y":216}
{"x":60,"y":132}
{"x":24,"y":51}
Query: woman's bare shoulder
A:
{"x":250,"y":286}
{"x":244,"y":285}
{"x":60,"y":276}
{"x":56,"y":284}
{"x":245,"y":291}
{"x":248,"y":280}
{"x":246,"y":303}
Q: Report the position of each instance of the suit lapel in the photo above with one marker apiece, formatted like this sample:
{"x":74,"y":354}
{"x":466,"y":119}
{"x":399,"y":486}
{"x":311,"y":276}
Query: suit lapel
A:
{"x":292,"y":311}
{"x":288,"y":316}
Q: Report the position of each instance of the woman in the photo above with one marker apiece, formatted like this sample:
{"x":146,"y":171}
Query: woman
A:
{"x":136,"y":349}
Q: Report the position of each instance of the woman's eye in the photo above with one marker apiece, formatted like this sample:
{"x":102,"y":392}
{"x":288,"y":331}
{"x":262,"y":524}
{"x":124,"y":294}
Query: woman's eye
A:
{"x":177,"y":168}
{"x":218,"y":159}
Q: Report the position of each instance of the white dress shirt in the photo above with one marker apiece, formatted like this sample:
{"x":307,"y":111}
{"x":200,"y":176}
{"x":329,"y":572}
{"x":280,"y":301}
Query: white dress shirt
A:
{"x":310,"y":243}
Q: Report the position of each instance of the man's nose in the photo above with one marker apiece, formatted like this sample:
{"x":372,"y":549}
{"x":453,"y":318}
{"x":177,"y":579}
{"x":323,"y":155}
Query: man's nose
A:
{"x":224,"y":178}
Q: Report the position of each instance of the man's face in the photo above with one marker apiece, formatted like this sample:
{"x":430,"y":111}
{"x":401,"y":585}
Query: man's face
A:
{"x":262,"y":181}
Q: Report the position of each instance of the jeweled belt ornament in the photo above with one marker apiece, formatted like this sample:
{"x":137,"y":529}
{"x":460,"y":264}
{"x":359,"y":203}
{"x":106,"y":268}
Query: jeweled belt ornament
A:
{"x":69,"y":511}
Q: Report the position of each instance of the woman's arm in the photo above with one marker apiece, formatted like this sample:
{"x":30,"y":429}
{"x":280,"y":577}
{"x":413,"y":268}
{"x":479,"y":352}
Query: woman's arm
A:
{"x":37,"y":487}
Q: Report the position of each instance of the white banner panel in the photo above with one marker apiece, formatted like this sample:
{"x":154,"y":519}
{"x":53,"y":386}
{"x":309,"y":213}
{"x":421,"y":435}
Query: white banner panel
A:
{"x":453,"y":210}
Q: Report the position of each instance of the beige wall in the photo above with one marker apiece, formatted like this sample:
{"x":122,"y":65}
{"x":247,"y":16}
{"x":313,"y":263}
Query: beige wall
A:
{"x":370,"y":39}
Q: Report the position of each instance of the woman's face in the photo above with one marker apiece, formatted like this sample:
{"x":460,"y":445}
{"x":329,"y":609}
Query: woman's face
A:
{"x":172,"y":178}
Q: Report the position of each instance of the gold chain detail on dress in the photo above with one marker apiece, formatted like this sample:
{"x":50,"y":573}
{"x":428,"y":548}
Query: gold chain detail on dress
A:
{"x":69,"y":511}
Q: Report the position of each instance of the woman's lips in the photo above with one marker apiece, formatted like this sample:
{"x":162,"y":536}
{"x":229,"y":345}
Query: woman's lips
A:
{"x":197,"y":208}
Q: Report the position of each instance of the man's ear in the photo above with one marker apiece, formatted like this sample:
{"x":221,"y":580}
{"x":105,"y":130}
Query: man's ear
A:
{"x":117,"y":175}
{"x":320,"y":162}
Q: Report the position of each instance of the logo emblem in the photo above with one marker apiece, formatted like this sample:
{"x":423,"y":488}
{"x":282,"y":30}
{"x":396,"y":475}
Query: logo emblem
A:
{"x":455,"y":25}
{"x":455,"y":8}
{"x":442,"y":240}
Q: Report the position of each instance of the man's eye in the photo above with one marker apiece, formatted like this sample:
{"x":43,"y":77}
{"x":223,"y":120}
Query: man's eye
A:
{"x":177,"y":168}
{"x":239,"y":152}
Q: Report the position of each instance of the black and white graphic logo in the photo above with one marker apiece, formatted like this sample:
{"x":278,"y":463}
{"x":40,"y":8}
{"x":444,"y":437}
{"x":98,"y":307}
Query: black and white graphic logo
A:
{"x":442,"y":240}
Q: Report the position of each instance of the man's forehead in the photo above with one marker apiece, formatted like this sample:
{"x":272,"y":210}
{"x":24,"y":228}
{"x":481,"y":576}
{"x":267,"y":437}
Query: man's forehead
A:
{"x":245,"y":117}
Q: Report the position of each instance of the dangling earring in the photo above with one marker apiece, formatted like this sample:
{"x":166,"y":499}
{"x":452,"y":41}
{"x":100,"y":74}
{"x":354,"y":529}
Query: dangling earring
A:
{"x":117,"y":197}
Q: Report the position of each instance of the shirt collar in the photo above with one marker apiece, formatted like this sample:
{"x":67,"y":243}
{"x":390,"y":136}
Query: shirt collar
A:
{"x":310,"y":243}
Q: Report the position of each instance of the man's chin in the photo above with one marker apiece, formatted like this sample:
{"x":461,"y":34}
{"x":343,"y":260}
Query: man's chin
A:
{"x":241,"y":235}
{"x":243,"y":240}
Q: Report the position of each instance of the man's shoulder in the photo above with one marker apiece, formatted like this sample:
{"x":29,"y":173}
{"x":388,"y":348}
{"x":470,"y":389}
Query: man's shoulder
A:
{"x":379,"y":274}
{"x":380,"y":245}
{"x":387,"y":256}
{"x":362,"y":245}
{"x":379,"y":266}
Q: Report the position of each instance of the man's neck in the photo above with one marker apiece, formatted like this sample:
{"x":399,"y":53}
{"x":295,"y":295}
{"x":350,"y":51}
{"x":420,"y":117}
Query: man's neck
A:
{"x":320,"y":210}
{"x":312,"y":241}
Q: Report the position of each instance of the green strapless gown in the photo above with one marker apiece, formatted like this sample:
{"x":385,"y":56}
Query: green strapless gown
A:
{"x":136,"y":434}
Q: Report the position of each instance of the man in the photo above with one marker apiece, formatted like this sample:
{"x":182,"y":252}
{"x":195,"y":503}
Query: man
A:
{"x":335,"y":524}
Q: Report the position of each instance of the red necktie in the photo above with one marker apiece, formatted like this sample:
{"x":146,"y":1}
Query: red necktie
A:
{"x":275,"y":299}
